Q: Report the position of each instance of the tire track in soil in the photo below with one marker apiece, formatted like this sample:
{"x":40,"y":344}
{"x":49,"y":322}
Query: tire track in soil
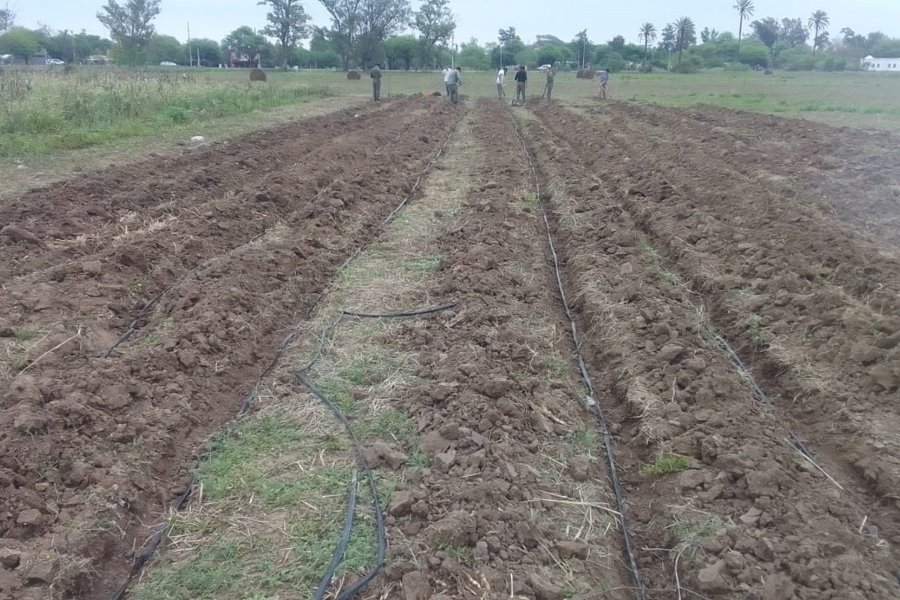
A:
{"x":749,"y":516}
{"x":90,"y":448}
{"x":842,"y":407}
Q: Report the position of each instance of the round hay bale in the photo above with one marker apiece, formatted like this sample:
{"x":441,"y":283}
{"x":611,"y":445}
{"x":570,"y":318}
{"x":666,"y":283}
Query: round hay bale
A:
{"x":257,"y":75}
{"x":354,"y":75}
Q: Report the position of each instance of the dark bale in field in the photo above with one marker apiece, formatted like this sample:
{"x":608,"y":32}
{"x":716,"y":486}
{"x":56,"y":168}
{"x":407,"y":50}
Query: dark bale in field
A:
{"x":257,"y":75}
{"x":354,"y":75}
{"x":585,"y":74}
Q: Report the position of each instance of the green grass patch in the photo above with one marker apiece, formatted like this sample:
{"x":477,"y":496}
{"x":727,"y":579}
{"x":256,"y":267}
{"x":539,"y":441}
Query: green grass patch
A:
{"x":424,"y":265}
{"x":668,"y":464}
{"x":27,"y":334}
{"x":94,"y":107}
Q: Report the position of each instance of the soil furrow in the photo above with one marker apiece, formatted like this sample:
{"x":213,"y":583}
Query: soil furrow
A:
{"x":92,"y":448}
{"x":104,"y":291}
{"x":84,"y":215}
{"x":514,"y":448}
{"x":745,"y":513}
{"x":795,"y":327}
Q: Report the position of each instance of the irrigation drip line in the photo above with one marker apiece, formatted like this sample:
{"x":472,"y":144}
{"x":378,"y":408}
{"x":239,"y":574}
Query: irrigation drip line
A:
{"x":381,"y":536}
{"x":338,"y":556}
{"x":608,"y":445}
{"x":400,"y":315}
{"x":157,"y":538}
{"x":793,"y":439}
{"x":152,"y":545}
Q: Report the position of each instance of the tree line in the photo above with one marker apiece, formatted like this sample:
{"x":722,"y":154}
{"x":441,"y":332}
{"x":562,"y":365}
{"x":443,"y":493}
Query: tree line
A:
{"x":363,"y":32}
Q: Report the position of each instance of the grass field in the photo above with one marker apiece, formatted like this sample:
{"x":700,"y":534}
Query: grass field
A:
{"x":53,"y":123}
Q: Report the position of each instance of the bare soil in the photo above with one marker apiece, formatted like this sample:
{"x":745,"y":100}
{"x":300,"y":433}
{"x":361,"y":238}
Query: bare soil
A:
{"x":94,"y":448}
{"x":736,"y":278}
{"x":673,"y":239}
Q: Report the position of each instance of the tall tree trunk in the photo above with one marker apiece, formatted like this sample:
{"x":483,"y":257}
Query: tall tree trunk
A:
{"x":816,"y":40}
{"x":740,"y":32}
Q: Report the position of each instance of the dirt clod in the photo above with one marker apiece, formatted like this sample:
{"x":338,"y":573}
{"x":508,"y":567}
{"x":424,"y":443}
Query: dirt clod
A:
{"x":568,"y":550}
{"x":416,"y":586}
{"x":580,"y":468}
{"x":778,"y":587}
{"x":382,"y":454}
{"x":545,"y":589}
{"x":19,"y":234}
{"x":712,"y":578}
{"x":10,"y":558}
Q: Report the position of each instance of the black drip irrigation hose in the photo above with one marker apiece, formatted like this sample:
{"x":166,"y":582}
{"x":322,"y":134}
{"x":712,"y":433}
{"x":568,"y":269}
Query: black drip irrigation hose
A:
{"x":761,"y":397}
{"x":301,"y":378}
{"x":157,"y":538}
{"x":338,"y":556}
{"x":380,"y":534}
{"x":603,"y":424}
{"x":153,"y":543}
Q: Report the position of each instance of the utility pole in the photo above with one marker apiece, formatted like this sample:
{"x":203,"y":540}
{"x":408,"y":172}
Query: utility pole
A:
{"x":453,"y":52}
{"x":190,"y":53}
{"x":501,"y":54}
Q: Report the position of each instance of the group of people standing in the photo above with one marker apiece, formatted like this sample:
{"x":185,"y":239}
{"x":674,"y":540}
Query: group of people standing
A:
{"x":453,"y":80}
{"x":521,"y":79}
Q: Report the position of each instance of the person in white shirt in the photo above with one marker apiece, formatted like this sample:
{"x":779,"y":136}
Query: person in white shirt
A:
{"x":447,"y":74}
{"x":501,"y":80}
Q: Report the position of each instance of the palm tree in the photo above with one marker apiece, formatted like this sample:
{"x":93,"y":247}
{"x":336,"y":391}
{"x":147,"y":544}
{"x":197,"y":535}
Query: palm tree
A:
{"x":686,"y":34}
{"x":647,"y":35}
{"x":818,"y":21}
{"x":745,"y":9}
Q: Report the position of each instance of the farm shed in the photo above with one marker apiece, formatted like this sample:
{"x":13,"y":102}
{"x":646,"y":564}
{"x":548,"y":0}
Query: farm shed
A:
{"x":870,"y":63}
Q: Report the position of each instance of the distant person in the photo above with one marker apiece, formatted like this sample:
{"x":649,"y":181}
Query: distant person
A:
{"x":501,"y":83}
{"x":604,"y":83}
{"x":521,"y":86}
{"x":446,"y":73}
{"x":454,"y":80}
{"x":548,"y":87}
{"x":375,"y":74}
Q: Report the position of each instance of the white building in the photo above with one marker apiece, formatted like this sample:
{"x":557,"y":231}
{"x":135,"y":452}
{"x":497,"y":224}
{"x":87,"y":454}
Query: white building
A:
{"x":881,"y":65}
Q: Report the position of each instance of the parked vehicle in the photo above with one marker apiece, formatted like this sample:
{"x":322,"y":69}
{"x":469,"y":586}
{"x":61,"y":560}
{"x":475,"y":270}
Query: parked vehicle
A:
{"x":168,"y":63}
{"x":55,"y":61}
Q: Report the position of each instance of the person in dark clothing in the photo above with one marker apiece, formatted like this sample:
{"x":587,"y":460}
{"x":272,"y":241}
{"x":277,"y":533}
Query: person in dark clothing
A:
{"x":375,"y":74}
{"x":521,"y":86}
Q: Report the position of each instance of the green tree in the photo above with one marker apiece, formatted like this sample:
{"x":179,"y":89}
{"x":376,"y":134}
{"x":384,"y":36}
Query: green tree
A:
{"x":20,"y":42}
{"x":818,"y":22}
{"x":647,"y":35}
{"x":346,"y":18}
{"x":7,"y":18}
{"x":745,"y":10}
{"x":209,"y":51}
{"x":401,"y":50}
{"x":473,"y":56}
{"x":669,"y":38}
{"x":244,"y":40}
{"x":793,"y":33}
{"x":164,"y":48}
{"x":685,"y":35}
{"x":130,"y":25}
{"x":767,"y":31}
{"x":436,"y":24}
{"x":582,"y":48}
{"x":709,"y":36}
{"x":527,"y":57}
{"x":509,"y":45}
{"x":287,"y":23}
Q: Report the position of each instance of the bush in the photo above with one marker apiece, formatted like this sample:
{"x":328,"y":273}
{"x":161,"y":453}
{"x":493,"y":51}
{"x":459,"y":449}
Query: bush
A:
{"x":738,"y":68}
{"x":797,"y":59}
{"x":833,"y":63}
{"x":688,"y":64}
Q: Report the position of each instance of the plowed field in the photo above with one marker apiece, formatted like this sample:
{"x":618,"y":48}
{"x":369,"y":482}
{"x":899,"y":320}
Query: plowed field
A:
{"x":670,"y":368}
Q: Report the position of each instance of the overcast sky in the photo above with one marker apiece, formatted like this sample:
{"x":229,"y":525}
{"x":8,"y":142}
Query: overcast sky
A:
{"x":482,"y":19}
